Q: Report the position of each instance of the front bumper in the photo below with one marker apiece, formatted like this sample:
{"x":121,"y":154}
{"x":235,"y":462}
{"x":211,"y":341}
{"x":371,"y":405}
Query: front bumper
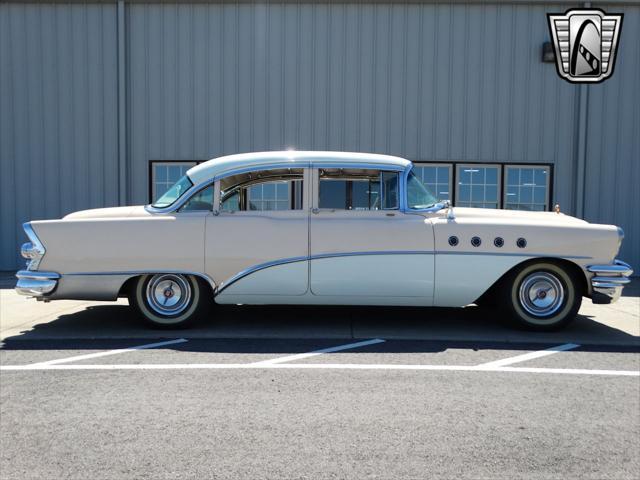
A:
{"x":36,"y":284}
{"x":608,"y":281}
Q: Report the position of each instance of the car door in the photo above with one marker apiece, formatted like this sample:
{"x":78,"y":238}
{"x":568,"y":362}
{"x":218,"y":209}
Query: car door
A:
{"x":257,"y":241}
{"x":363,"y":248}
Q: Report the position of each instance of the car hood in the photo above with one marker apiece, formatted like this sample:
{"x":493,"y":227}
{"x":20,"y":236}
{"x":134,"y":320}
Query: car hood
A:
{"x":517,"y":215}
{"x":113,"y":212}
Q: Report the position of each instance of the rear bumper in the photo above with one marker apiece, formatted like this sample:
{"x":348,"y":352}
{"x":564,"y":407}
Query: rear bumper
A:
{"x":608,"y":281}
{"x":36,"y":284}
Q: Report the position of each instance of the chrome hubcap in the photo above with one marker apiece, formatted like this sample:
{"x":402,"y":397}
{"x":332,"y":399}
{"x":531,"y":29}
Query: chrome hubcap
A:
{"x":541,"y":294}
{"x":168,"y":294}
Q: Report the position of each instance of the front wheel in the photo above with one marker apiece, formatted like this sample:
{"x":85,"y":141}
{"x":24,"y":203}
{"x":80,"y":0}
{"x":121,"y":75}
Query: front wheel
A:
{"x":542,"y":296}
{"x":168,"y":300}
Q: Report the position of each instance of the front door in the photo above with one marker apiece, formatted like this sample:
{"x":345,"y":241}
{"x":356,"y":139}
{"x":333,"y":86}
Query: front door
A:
{"x":363,"y":248}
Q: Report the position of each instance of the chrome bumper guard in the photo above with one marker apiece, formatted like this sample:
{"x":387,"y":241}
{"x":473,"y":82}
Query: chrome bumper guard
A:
{"x":608,"y":281}
{"x":36,"y":284}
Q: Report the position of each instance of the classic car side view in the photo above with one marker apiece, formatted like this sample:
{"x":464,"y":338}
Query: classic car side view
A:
{"x":321,"y":228}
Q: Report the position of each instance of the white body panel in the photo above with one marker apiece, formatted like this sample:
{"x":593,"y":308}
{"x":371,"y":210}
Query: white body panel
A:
{"x":289,"y":279}
{"x":239,"y":241}
{"x":399,"y":275}
{"x":455,"y":285}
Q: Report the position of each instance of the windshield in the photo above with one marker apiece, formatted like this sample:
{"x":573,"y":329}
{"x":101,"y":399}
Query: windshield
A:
{"x":418,"y":195}
{"x":174,"y":193}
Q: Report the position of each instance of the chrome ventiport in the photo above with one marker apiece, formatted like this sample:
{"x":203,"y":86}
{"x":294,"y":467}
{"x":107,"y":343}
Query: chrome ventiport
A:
{"x":608,"y":281}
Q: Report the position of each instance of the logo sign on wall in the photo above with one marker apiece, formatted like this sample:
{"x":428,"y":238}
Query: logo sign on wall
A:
{"x":585,"y":43}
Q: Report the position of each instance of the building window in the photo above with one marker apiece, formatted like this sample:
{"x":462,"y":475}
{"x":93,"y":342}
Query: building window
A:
{"x":165,"y":174}
{"x":270,"y":196}
{"x":436,"y":177}
{"x":527,"y":188}
{"x":478,"y":186}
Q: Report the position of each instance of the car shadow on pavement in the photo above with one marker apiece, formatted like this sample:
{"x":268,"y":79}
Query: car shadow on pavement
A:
{"x":294,"y":329}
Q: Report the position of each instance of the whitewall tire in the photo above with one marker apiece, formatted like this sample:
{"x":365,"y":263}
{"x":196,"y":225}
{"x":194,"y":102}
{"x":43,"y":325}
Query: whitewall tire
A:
{"x":541,"y":296}
{"x":168,"y":300}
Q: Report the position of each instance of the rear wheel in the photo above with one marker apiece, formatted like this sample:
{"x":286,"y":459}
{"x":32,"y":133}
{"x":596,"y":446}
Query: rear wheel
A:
{"x":542,"y":296}
{"x":168,"y":300}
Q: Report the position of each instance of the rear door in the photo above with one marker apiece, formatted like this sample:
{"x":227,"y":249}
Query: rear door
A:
{"x":257,"y":243}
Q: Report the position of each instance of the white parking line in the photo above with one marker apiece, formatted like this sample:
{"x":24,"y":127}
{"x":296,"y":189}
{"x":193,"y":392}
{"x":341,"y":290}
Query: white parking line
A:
{"x":110,"y":352}
{"x":300,"y":356}
{"x":528,"y":356}
{"x":321,"y":366}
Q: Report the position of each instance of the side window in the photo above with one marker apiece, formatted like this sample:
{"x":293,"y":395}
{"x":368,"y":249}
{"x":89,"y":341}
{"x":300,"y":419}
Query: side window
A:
{"x":267,"y":190}
{"x":358,"y":189}
{"x":230,"y":202}
{"x":203,"y":200}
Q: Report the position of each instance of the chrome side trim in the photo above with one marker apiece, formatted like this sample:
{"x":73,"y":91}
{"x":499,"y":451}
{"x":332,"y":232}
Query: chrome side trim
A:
{"x":133,"y":273}
{"x":609,"y":280}
{"x":358,"y":254}
{"x":36,"y":284}
{"x":257,"y":268}
{"x":508,"y":254}
{"x":283,"y":261}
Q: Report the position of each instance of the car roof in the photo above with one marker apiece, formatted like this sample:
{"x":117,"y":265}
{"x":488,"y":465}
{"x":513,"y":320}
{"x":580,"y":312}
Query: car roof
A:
{"x":291,"y":158}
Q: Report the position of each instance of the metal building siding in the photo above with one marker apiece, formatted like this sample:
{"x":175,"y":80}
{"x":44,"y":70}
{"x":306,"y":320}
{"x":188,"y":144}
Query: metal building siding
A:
{"x":429,"y":82}
{"x":58,"y":137}
{"x":612,"y":190}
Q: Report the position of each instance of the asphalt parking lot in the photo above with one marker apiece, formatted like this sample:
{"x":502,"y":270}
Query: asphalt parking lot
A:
{"x":270,"y":392}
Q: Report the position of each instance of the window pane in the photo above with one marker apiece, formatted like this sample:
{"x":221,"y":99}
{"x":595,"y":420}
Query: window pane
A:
{"x":358,"y":189}
{"x":202,"y":200}
{"x":333,"y":194}
{"x":478,"y":186}
{"x":464,"y":194}
{"x":262,"y":190}
{"x":491,"y":176}
{"x":269,"y":196}
{"x":231,"y":203}
{"x":361,"y":195}
{"x":429,"y":174}
{"x":165,"y":175}
{"x":491,"y":194}
{"x":530,"y":192}
{"x":435,"y":178}
{"x":390,"y":190}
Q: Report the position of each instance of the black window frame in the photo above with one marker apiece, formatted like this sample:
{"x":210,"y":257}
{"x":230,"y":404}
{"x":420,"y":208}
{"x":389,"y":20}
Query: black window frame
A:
{"x":502,"y":172}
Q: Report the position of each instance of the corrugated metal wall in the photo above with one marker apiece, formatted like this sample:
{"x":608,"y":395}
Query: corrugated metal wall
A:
{"x":58,"y":122}
{"x":612,"y":190}
{"x":424,"y":81}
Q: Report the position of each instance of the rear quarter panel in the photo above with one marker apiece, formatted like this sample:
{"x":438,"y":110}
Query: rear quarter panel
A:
{"x":107,"y":245}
